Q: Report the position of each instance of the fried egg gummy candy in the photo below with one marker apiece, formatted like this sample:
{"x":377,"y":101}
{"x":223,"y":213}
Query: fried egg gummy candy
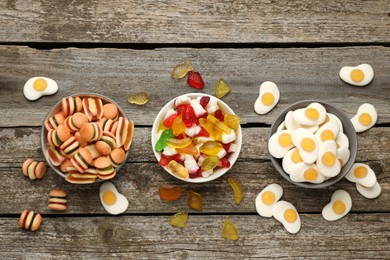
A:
{"x":112,"y":201}
{"x":37,"y":87}
{"x":196,"y":137}
{"x":268,"y":97}
{"x":311,"y":144}
{"x":339,"y":206}
{"x":360,"y":75}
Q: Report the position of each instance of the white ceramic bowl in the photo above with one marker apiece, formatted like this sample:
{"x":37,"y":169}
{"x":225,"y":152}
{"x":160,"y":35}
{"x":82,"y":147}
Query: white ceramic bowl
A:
{"x":56,"y":108}
{"x":218,"y":172}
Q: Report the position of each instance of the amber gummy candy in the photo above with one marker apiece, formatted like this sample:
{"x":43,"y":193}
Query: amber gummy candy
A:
{"x":195,"y":200}
{"x":169,"y":193}
{"x":179,"y":219}
{"x":229,"y":230}
{"x":237,"y":190}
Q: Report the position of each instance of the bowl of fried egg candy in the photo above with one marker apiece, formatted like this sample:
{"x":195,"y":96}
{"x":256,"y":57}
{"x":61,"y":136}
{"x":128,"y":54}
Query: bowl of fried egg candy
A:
{"x":312,"y":144}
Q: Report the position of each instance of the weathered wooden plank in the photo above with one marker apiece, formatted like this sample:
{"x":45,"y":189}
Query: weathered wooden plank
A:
{"x":204,"y":22}
{"x":152,"y":237}
{"x":299,"y":73}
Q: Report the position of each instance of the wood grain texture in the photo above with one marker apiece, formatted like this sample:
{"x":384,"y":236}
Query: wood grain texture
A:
{"x":140,"y":237}
{"x":168,"y":21}
{"x":140,"y":178}
{"x":299,"y":73}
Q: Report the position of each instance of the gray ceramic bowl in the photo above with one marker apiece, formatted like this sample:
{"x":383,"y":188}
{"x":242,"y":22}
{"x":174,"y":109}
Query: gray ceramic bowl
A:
{"x":56,"y":109}
{"x":349,"y":131}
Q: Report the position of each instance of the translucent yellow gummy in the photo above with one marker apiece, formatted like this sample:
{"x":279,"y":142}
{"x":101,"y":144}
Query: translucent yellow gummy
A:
{"x":178,"y":169}
{"x":211,"y":148}
{"x":178,"y":126}
{"x":195,"y":200}
{"x":179,"y":219}
{"x":222,"y":88}
{"x":179,"y":143}
{"x":232,"y":121}
{"x":218,"y":124}
{"x":140,"y":98}
{"x":229,"y":231}
{"x":210,"y":162}
{"x":161,"y":126}
{"x":181,"y":70}
{"x":206,"y":125}
{"x":237,"y":190}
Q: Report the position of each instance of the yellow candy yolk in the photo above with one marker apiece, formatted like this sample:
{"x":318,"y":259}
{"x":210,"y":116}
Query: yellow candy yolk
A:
{"x":328,"y":159}
{"x":290,"y":215}
{"x":312,"y":113}
{"x":109,"y":197}
{"x":268,"y":197}
{"x":338,"y":207}
{"x":357,"y":75}
{"x":327,"y":135}
{"x":268,"y":99}
{"x":40,"y":84}
{"x":285,"y":140}
{"x":360,"y":172}
{"x":365,"y":119}
{"x":295,"y":157}
{"x":308,"y":145}
{"x":310,"y":174}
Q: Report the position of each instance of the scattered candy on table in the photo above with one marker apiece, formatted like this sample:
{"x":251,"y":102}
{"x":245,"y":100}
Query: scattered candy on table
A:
{"x":267,"y":198}
{"x":222,"y":88}
{"x":30,"y":220}
{"x":195,"y":200}
{"x":285,"y":213}
{"x":112,"y":201}
{"x":37,"y":87}
{"x":339,"y":206}
{"x":57,"y":200}
{"x":33,"y":169}
{"x":365,"y":118}
{"x":179,"y":219}
{"x":169,"y":193}
{"x":360,"y":75}
{"x":229,"y":230}
{"x":194,"y":79}
{"x":365,"y":179}
{"x":268,"y":97}
{"x":181,"y":70}
{"x":237,"y":190}
{"x":140,"y":98}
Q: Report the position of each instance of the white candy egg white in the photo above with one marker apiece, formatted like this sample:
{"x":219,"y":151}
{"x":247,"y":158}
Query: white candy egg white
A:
{"x":285,"y":213}
{"x":268,"y":97}
{"x":359,"y":76}
{"x":342,"y":141}
{"x":343,"y":154}
{"x":291,"y":124}
{"x":327,"y":131}
{"x":362,"y":174}
{"x":281,"y":127}
{"x":291,"y":159}
{"x":37,"y":87}
{"x":303,"y":172}
{"x":313,"y":115}
{"x":339,"y":206}
{"x":365,"y":118}
{"x":335,"y":119}
{"x":327,"y":161}
{"x":267,"y":198}
{"x":108,"y":193}
{"x":307,"y":145}
{"x":369,"y":193}
{"x":279,"y":143}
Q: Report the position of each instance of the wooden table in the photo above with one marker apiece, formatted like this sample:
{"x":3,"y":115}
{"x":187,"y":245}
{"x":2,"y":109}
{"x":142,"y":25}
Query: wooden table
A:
{"x":118,"y":47}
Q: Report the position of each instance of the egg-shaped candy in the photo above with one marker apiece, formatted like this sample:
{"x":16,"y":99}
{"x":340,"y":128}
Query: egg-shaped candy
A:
{"x":37,"y":87}
{"x":342,"y":141}
{"x":369,"y":193}
{"x":335,"y":119}
{"x":327,"y":161}
{"x":281,"y":127}
{"x":360,"y":75}
{"x":343,"y":154}
{"x":279,"y":143}
{"x":328,"y":131}
{"x":303,"y":172}
{"x":268,"y":97}
{"x":285,"y":213}
{"x":365,"y":118}
{"x":339,"y":206}
{"x":312,"y":115}
{"x":291,"y":159}
{"x":292,"y":124}
{"x":267,"y":199}
{"x":307,"y":145}
{"x":363,"y":174}
{"x":112,"y":201}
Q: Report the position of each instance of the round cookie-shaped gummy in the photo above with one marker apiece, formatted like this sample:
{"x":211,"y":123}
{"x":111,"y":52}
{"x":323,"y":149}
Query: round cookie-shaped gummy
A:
{"x":36,"y":222}
{"x":60,"y":118}
{"x":40,"y":170}
{"x":82,"y":143}
{"x":65,"y":164}
{"x":79,"y":119}
{"x":86,"y":132}
{"x":63,"y":133}
{"x":25,"y":166}
{"x":86,"y":155}
{"x":57,"y":200}
{"x":22,"y":218}
{"x":110,"y":111}
{"x":102,"y":162}
{"x":117,"y":156}
{"x":103,"y":148}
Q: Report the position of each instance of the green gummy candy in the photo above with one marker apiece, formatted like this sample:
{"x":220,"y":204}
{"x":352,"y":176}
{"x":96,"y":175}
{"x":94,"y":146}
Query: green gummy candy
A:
{"x":162,"y":142}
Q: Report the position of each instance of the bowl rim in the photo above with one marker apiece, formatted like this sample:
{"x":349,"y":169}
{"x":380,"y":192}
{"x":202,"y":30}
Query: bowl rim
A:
{"x":56,"y":108}
{"x":232,"y":158}
{"x":347,"y":125}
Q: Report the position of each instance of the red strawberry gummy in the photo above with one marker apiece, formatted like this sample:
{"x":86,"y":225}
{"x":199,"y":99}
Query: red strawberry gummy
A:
{"x":218,"y":114}
{"x":194,"y":79}
{"x":189,"y":117}
{"x":204,"y":101}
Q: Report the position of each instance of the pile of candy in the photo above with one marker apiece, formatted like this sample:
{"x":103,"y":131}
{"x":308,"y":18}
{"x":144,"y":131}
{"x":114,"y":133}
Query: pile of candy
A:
{"x":88,"y":139}
{"x":196,"y":137}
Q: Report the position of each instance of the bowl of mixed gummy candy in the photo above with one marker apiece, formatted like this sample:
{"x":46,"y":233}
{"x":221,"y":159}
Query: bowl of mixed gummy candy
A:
{"x":196,"y":137}
{"x":86,"y":138}
{"x":312,"y":144}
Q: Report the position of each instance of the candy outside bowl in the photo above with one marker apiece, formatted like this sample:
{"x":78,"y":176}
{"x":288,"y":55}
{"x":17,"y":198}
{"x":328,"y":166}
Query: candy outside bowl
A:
{"x":348,"y":130}
{"x":232,"y":157}
{"x":57,"y":108}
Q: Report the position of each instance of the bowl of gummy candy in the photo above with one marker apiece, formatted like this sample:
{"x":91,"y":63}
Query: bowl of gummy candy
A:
{"x":196,"y":137}
{"x":312,"y":144}
{"x":85,"y":138}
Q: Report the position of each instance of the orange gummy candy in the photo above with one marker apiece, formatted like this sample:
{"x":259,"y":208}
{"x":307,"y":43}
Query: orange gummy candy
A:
{"x":195,"y":200}
{"x":169,"y":193}
{"x":229,"y":231}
